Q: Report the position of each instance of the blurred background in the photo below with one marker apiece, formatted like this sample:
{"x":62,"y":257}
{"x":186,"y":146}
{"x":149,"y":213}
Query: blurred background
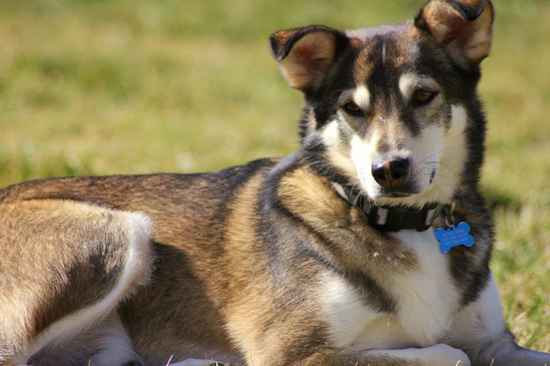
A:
{"x":135,"y":86}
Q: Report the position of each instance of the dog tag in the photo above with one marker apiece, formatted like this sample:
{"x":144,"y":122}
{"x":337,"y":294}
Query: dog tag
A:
{"x":456,"y":236}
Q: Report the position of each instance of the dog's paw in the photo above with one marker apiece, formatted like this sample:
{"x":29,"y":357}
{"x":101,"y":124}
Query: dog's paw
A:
{"x":444,"y":355}
{"x":194,"y":362}
{"x":133,"y":363}
{"x":523,"y":357}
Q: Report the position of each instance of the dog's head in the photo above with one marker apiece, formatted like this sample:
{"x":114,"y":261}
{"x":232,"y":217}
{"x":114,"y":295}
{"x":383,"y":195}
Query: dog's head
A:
{"x":393,"y":110}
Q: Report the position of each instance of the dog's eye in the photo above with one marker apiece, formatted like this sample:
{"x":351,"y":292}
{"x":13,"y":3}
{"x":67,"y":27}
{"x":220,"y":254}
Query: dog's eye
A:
{"x":422,"y":97}
{"x":352,"y":109}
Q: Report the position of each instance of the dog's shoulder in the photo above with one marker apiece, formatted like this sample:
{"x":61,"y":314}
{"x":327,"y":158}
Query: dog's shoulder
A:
{"x":298,"y":189}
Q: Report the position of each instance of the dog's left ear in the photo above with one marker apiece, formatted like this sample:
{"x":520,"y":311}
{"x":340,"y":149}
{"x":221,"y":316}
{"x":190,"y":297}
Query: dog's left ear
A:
{"x":306,"y":54}
{"x":463,"y":27}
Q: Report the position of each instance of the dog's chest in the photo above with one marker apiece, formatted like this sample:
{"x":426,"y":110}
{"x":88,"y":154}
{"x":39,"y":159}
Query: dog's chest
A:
{"x":426,"y":299}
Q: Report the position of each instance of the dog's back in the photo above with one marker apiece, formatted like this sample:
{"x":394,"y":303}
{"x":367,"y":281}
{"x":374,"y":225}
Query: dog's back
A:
{"x":187,"y":215}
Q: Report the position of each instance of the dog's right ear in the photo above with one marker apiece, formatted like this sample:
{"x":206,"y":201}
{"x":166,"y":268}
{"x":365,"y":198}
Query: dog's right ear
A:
{"x":306,"y":54}
{"x":463,"y":27}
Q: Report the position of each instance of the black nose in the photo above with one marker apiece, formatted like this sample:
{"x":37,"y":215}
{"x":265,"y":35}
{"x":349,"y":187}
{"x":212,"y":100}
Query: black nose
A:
{"x":391,"y":173}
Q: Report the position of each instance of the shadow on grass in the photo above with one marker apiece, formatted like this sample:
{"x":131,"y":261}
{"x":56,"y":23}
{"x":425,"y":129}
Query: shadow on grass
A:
{"x":501,"y":199}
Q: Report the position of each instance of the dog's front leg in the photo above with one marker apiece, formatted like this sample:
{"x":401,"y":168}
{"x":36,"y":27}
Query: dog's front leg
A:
{"x":481,"y":331}
{"x":196,"y":362}
{"x":506,"y":352}
{"x":437,"y":355}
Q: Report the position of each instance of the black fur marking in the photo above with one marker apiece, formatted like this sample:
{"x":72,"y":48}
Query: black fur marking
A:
{"x":282,"y":49}
{"x":323,"y":101}
{"x":268,"y":208}
{"x":304,"y":127}
{"x":313,"y":155}
{"x":469,"y":13}
{"x":373,"y":294}
{"x":470,"y":267}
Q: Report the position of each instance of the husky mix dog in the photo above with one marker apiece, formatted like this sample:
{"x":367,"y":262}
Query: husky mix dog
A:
{"x":368,"y":246}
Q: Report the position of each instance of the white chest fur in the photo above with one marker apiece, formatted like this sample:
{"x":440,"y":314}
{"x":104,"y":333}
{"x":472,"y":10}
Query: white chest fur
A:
{"x":427,"y":300}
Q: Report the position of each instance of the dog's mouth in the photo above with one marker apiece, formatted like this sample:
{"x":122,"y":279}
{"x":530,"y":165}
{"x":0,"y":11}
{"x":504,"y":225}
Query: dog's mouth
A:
{"x":411,"y":187}
{"x":397,"y":194}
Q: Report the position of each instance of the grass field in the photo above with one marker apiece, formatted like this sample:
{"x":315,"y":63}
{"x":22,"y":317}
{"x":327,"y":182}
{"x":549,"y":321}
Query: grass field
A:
{"x":133,"y":86}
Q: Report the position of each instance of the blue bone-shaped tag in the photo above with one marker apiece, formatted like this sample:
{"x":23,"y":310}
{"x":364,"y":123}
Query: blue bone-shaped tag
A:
{"x":456,"y":236}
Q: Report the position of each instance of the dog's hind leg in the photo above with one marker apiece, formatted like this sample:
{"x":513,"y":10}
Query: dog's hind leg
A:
{"x":106,"y":343}
{"x":64,"y":268}
{"x":115,"y":347}
{"x":438,"y":355}
{"x":196,"y":362}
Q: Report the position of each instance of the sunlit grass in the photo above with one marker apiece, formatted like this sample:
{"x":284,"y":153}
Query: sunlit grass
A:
{"x":102,"y":87}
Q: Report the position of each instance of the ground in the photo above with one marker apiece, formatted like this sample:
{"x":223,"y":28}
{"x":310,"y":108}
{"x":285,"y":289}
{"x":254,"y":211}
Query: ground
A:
{"x":134,"y":86}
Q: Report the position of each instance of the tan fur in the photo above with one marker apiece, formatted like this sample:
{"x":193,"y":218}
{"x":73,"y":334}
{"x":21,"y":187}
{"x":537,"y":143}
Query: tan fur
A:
{"x":189,"y":228}
{"x":47,"y":247}
{"x":247,"y":308}
{"x":363,"y":68}
{"x":253,"y":318}
{"x":472,"y":41}
{"x":353,"y":244}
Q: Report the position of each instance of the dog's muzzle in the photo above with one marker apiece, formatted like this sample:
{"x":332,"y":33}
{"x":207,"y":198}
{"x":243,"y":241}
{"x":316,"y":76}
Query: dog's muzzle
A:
{"x":394,"y":176}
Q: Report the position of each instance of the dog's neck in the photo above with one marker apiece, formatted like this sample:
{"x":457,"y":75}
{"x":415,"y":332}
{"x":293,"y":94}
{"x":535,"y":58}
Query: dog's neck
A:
{"x":398,"y":218}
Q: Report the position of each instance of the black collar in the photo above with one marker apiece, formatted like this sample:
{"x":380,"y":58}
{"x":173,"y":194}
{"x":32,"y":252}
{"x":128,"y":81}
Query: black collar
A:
{"x":397,"y":218}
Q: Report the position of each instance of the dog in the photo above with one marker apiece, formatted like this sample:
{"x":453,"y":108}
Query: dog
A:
{"x":368,"y":246}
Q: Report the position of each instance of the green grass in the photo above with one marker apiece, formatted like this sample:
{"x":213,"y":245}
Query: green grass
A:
{"x":132,"y":86}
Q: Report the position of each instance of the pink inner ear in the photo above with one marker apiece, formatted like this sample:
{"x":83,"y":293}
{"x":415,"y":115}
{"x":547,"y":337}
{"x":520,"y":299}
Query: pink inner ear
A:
{"x":310,"y":57}
{"x":305,"y":53}
{"x":313,"y":55}
{"x":445,"y":23}
{"x":467,"y":40}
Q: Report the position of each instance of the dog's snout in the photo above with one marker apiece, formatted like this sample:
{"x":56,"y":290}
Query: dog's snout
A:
{"x":399,"y":168}
{"x":391,"y":173}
